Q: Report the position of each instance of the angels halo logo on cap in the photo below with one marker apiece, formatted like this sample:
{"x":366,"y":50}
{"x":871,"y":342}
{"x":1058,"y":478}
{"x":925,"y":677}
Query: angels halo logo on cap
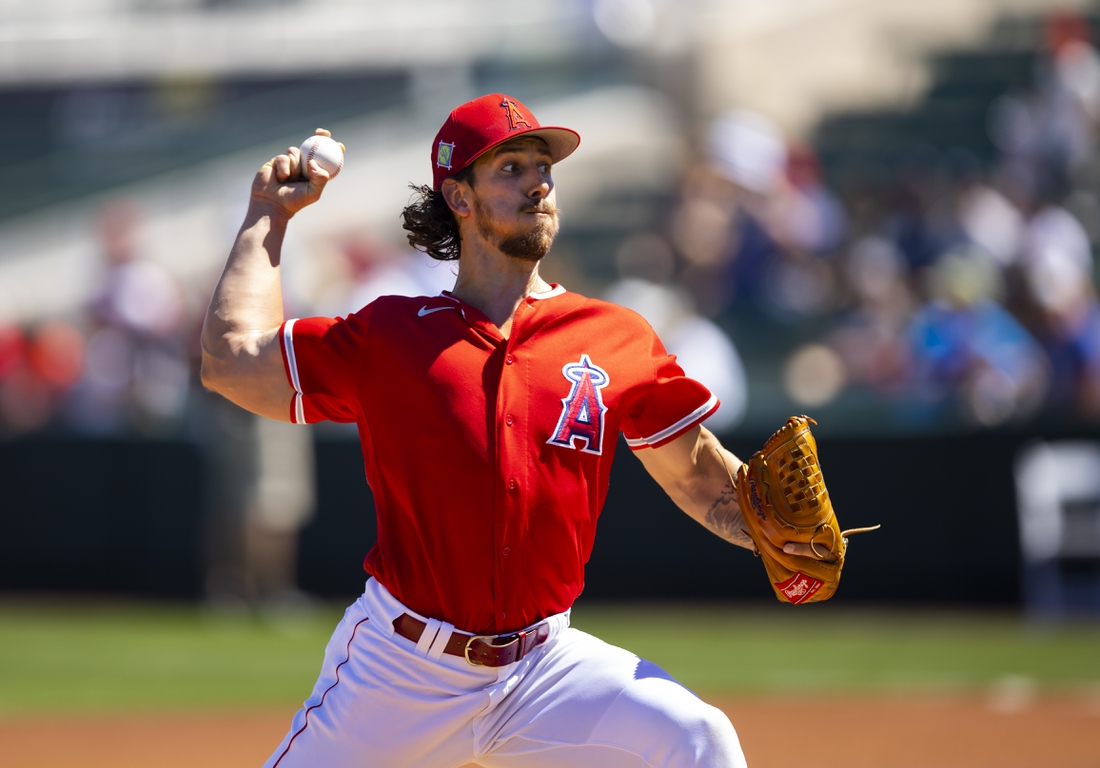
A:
{"x":477,"y":126}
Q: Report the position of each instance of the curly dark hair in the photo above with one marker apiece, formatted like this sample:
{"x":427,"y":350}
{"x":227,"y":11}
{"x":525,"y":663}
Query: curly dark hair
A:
{"x":431,"y":224}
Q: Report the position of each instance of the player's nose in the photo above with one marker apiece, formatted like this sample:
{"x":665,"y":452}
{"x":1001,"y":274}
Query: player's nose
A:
{"x":541,"y":187}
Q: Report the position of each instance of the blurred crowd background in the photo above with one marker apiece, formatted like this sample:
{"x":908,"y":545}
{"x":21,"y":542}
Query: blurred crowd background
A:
{"x":918,"y":266}
{"x":883,"y":214}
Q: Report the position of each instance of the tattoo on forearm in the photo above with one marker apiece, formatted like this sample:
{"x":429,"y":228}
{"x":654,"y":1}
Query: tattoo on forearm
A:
{"x":724,"y":518}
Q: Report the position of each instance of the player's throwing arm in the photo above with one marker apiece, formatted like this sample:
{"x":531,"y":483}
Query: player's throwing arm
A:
{"x":241,"y":356}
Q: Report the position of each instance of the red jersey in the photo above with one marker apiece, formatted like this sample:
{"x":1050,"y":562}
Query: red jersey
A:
{"x":489,"y":458}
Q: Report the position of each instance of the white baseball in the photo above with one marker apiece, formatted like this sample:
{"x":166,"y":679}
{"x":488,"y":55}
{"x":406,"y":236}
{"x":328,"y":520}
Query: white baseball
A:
{"x":323,"y":151}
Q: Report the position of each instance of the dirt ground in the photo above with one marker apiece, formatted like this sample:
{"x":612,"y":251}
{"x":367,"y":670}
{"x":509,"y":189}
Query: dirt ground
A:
{"x":925,"y":732}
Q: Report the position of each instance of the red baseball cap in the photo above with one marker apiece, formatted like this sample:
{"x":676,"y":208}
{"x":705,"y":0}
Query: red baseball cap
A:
{"x":479,"y":125}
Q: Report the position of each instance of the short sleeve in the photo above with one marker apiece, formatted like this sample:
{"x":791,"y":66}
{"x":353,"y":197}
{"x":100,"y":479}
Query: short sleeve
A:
{"x":667,"y":405}
{"x":323,"y":358}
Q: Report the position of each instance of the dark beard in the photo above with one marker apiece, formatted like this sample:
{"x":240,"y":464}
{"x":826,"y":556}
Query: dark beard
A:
{"x":529,"y":246}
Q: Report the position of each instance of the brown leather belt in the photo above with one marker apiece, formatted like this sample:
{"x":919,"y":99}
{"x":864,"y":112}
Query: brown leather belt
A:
{"x":480,"y":650}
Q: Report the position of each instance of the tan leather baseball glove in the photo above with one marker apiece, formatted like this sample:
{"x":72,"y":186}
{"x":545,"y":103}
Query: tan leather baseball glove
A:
{"x":783,"y":499}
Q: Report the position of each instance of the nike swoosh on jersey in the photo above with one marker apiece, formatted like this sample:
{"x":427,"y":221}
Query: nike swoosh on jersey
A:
{"x":425,"y":311}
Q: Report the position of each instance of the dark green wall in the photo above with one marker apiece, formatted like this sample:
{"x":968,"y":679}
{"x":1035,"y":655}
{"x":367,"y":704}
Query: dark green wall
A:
{"x":127,"y":517}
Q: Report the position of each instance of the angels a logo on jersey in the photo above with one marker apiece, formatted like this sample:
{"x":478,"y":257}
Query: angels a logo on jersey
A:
{"x":583,"y":410}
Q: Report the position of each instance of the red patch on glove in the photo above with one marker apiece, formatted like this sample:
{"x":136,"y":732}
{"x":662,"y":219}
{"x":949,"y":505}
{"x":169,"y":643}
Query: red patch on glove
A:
{"x":799,"y":588}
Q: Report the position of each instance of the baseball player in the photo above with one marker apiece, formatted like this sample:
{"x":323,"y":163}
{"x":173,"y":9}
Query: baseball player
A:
{"x":488,"y":417}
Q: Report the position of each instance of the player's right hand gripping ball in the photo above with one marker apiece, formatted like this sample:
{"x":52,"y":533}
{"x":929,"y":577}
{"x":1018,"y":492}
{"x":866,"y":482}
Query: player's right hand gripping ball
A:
{"x":325,"y":152}
{"x":783,"y":499}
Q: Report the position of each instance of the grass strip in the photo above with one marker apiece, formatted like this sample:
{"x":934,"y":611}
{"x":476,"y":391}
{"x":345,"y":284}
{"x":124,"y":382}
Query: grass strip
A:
{"x":89,"y":655}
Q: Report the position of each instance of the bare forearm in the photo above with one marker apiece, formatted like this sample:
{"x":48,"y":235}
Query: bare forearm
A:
{"x":241,"y":357}
{"x":697,"y":473}
{"x":717,"y":471}
{"x":723,"y":517}
{"x":248,"y":301}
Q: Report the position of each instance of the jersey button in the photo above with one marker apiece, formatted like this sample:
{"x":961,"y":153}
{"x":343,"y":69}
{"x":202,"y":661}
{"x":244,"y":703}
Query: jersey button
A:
{"x":509,"y":419}
{"x":512,"y":484}
{"x":506,"y":551}
{"x":509,"y":359}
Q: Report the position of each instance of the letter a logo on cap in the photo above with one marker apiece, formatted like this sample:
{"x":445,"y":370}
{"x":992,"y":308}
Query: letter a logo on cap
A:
{"x":515,"y":119}
{"x":443,"y":154}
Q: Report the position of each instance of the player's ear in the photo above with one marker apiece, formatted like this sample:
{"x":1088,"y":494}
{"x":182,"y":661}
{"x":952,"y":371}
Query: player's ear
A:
{"x":457,"y":195}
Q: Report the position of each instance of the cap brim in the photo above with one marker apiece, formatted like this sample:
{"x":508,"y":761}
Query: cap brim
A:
{"x":561,"y":141}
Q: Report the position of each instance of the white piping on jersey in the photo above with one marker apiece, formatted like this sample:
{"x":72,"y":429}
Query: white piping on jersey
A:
{"x":548,"y":294}
{"x":299,"y":409}
{"x":657,"y":437}
{"x":443,"y":295}
{"x":292,"y":365}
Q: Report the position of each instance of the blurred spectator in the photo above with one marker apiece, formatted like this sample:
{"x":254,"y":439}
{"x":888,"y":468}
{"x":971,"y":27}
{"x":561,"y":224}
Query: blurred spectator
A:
{"x":21,"y":405}
{"x":757,"y":225}
{"x":1057,"y":267}
{"x":282,"y":501}
{"x":37,"y":368}
{"x":905,"y":220}
{"x":260,"y":493}
{"x":719,"y":227}
{"x":56,"y":354}
{"x":645,"y":263}
{"x":374,"y":268}
{"x":990,"y":221}
{"x":137,"y":371}
{"x":871,"y":335}
{"x":968,"y":349}
{"x":1068,"y":93}
{"x":13,"y":349}
{"x":804,"y":215}
{"x":1056,"y":256}
{"x":805,"y":219}
{"x":747,"y":149}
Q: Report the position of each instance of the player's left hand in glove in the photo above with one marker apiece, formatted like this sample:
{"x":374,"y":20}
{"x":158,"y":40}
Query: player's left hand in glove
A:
{"x":790,"y":518}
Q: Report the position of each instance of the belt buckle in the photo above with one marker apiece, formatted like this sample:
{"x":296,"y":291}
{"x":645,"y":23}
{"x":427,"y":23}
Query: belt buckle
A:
{"x":487,"y":639}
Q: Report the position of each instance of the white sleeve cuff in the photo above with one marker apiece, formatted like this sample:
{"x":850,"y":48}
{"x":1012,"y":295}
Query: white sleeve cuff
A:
{"x":298,"y":415}
{"x":690,"y":420}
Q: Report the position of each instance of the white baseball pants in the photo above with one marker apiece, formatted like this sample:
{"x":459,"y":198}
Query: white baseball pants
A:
{"x":574,"y":702}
